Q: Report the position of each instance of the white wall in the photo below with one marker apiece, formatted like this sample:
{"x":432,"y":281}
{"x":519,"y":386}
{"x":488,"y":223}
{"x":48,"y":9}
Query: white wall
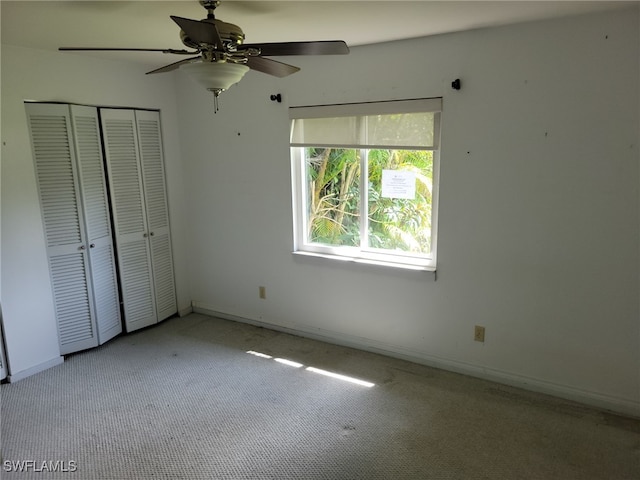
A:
{"x":28,"y":74}
{"x":539,"y":213}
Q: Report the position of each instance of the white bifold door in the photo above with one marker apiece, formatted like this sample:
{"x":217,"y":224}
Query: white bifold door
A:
{"x":75,"y":211}
{"x":135,"y":166}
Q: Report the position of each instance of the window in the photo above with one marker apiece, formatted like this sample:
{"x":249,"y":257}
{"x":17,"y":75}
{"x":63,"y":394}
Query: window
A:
{"x":365,"y":181}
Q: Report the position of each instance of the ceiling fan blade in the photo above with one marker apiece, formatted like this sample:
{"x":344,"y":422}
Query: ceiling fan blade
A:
{"x":172,"y":66}
{"x":199,"y":32}
{"x":163,"y":50}
{"x":325,"y":47}
{"x":266,"y":65}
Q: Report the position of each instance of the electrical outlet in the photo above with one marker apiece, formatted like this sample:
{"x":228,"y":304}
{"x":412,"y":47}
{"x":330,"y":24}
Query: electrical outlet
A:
{"x":262,"y":292}
{"x":478,"y":334}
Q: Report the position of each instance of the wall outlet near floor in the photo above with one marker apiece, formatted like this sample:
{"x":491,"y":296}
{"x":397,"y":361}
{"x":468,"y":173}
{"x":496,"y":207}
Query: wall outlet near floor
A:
{"x":478,"y":333}
{"x":262,"y":291}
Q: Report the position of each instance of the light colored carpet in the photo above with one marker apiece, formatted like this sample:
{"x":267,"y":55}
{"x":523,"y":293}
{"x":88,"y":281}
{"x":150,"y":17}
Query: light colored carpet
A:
{"x":183,"y":400}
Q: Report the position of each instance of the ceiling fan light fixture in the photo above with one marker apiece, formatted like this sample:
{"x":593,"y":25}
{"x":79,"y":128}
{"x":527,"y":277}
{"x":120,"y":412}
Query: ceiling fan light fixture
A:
{"x":215,"y":76}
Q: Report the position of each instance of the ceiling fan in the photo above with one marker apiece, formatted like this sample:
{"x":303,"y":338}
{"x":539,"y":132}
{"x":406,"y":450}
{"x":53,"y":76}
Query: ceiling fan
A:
{"x":219,"y":57}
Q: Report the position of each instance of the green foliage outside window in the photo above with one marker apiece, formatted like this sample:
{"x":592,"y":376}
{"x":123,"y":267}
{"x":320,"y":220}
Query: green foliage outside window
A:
{"x":334,"y":210}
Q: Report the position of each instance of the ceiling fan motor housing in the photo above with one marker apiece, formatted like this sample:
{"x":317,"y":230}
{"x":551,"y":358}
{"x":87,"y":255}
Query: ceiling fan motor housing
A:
{"x":229,"y":33}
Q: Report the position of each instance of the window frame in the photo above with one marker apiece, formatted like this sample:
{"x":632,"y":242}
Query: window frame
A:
{"x":368,"y":255}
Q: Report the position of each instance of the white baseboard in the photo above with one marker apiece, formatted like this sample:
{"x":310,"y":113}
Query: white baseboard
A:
{"x":14,"y":377}
{"x":605,"y":402}
{"x":183,"y":312}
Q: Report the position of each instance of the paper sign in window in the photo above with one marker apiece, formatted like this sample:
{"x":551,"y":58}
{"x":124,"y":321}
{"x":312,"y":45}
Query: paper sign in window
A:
{"x":398,"y":184}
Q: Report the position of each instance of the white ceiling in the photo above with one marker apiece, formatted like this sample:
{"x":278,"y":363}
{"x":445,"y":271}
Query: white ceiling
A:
{"x":145,"y":24}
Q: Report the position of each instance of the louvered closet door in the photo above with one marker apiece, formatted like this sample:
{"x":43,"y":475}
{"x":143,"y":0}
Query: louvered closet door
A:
{"x":50,"y":128}
{"x":125,"y":185}
{"x":154,"y":187}
{"x":97,"y":222}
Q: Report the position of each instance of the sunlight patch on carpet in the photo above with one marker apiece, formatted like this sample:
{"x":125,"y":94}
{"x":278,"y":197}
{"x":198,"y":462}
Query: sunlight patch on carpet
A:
{"x":326,"y":373}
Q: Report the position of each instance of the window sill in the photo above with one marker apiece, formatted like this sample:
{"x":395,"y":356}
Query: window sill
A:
{"x":366,"y":261}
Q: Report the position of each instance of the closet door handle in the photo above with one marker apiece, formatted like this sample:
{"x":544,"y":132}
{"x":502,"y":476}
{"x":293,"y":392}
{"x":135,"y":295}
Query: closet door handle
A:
{"x":151,"y":234}
{"x":93,"y":245}
{"x":82,"y":247}
{"x":145,"y":235}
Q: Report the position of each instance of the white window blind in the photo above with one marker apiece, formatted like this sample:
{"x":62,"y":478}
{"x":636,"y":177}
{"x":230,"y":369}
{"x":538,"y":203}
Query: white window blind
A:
{"x":403,"y":124}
